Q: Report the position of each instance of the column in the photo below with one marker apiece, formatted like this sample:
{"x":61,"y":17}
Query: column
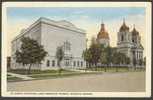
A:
{"x":138,"y":54}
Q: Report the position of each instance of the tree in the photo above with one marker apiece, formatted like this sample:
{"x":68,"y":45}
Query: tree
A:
{"x":30,"y":53}
{"x":92,"y":54}
{"x":110,"y":51}
{"x":8,"y":62}
{"x":140,"y":62}
{"x":144,"y":61}
{"x":95,"y":53}
{"x":127,"y":60}
{"x":134,"y":62}
{"x":59,"y":56}
{"x":87,"y":56}
{"x":119,"y":58}
{"x":103,"y":59}
{"x":107,"y":55}
{"x":116,"y":59}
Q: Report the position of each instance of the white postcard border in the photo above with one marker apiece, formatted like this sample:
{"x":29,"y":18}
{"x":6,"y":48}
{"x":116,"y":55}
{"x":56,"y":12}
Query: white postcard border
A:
{"x":147,"y":5}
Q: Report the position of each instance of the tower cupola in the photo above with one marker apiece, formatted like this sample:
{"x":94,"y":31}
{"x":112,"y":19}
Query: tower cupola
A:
{"x":134,"y":31}
{"x":124,"y":27}
{"x":103,"y":34}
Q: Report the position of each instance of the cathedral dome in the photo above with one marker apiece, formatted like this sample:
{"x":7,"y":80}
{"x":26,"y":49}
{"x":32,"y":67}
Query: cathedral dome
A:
{"x":103,"y":34}
{"x":135,"y":32}
{"x":124,"y":27}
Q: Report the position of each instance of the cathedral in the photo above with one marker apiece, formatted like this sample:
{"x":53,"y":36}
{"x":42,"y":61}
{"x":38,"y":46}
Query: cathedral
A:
{"x":128,"y":42}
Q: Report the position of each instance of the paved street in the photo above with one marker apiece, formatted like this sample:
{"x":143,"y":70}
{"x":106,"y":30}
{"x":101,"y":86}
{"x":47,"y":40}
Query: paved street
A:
{"x":106,"y":82}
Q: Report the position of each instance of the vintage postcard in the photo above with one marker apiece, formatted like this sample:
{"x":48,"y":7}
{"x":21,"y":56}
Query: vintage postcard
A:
{"x":76,"y":49}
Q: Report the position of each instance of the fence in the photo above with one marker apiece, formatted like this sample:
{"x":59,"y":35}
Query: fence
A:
{"x":116,"y":65}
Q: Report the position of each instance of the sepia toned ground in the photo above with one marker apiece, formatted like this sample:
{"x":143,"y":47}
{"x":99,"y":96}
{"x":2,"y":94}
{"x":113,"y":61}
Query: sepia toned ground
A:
{"x":105,"y":82}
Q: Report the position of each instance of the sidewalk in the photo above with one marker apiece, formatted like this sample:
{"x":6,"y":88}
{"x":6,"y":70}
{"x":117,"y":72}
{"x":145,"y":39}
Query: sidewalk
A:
{"x":24,"y":77}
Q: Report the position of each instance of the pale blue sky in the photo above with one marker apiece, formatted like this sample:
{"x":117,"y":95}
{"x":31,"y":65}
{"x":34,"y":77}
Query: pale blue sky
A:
{"x":87,"y":18}
{"x":96,"y":14}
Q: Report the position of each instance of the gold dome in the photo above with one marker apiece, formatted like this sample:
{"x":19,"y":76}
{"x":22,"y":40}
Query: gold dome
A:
{"x":102,"y":34}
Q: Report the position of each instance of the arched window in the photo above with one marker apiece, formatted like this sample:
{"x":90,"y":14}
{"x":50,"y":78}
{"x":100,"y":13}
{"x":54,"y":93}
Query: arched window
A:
{"x":48,"y":63}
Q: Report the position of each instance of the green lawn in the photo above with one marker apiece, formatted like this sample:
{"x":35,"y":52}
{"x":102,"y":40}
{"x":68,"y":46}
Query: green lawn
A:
{"x":24,"y":72}
{"x":8,"y":75}
{"x":43,"y":76}
{"x":13,"y":79}
{"x":38,"y":74}
{"x":71,"y":73}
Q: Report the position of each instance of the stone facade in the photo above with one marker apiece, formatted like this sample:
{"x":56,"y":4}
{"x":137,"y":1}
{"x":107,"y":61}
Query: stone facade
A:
{"x":52,"y":34}
{"x":129,"y":43}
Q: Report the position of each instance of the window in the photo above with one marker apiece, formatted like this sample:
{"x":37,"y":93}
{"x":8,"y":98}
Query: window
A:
{"x":66,"y":63}
{"x":122,"y":37}
{"x":48,"y":63}
{"x":53,"y":63}
{"x":81,"y":63}
{"x":87,"y":64}
{"x":67,"y":46}
{"x":74,"y":63}
{"x":78,"y":63}
{"x":134,"y":55}
{"x":132,"y":40}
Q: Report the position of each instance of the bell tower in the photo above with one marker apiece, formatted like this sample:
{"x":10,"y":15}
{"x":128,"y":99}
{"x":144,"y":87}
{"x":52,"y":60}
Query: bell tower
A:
{"x":124,"y":35}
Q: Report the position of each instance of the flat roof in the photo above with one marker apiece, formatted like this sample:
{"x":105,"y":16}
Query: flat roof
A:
{"x":62,"y":24}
